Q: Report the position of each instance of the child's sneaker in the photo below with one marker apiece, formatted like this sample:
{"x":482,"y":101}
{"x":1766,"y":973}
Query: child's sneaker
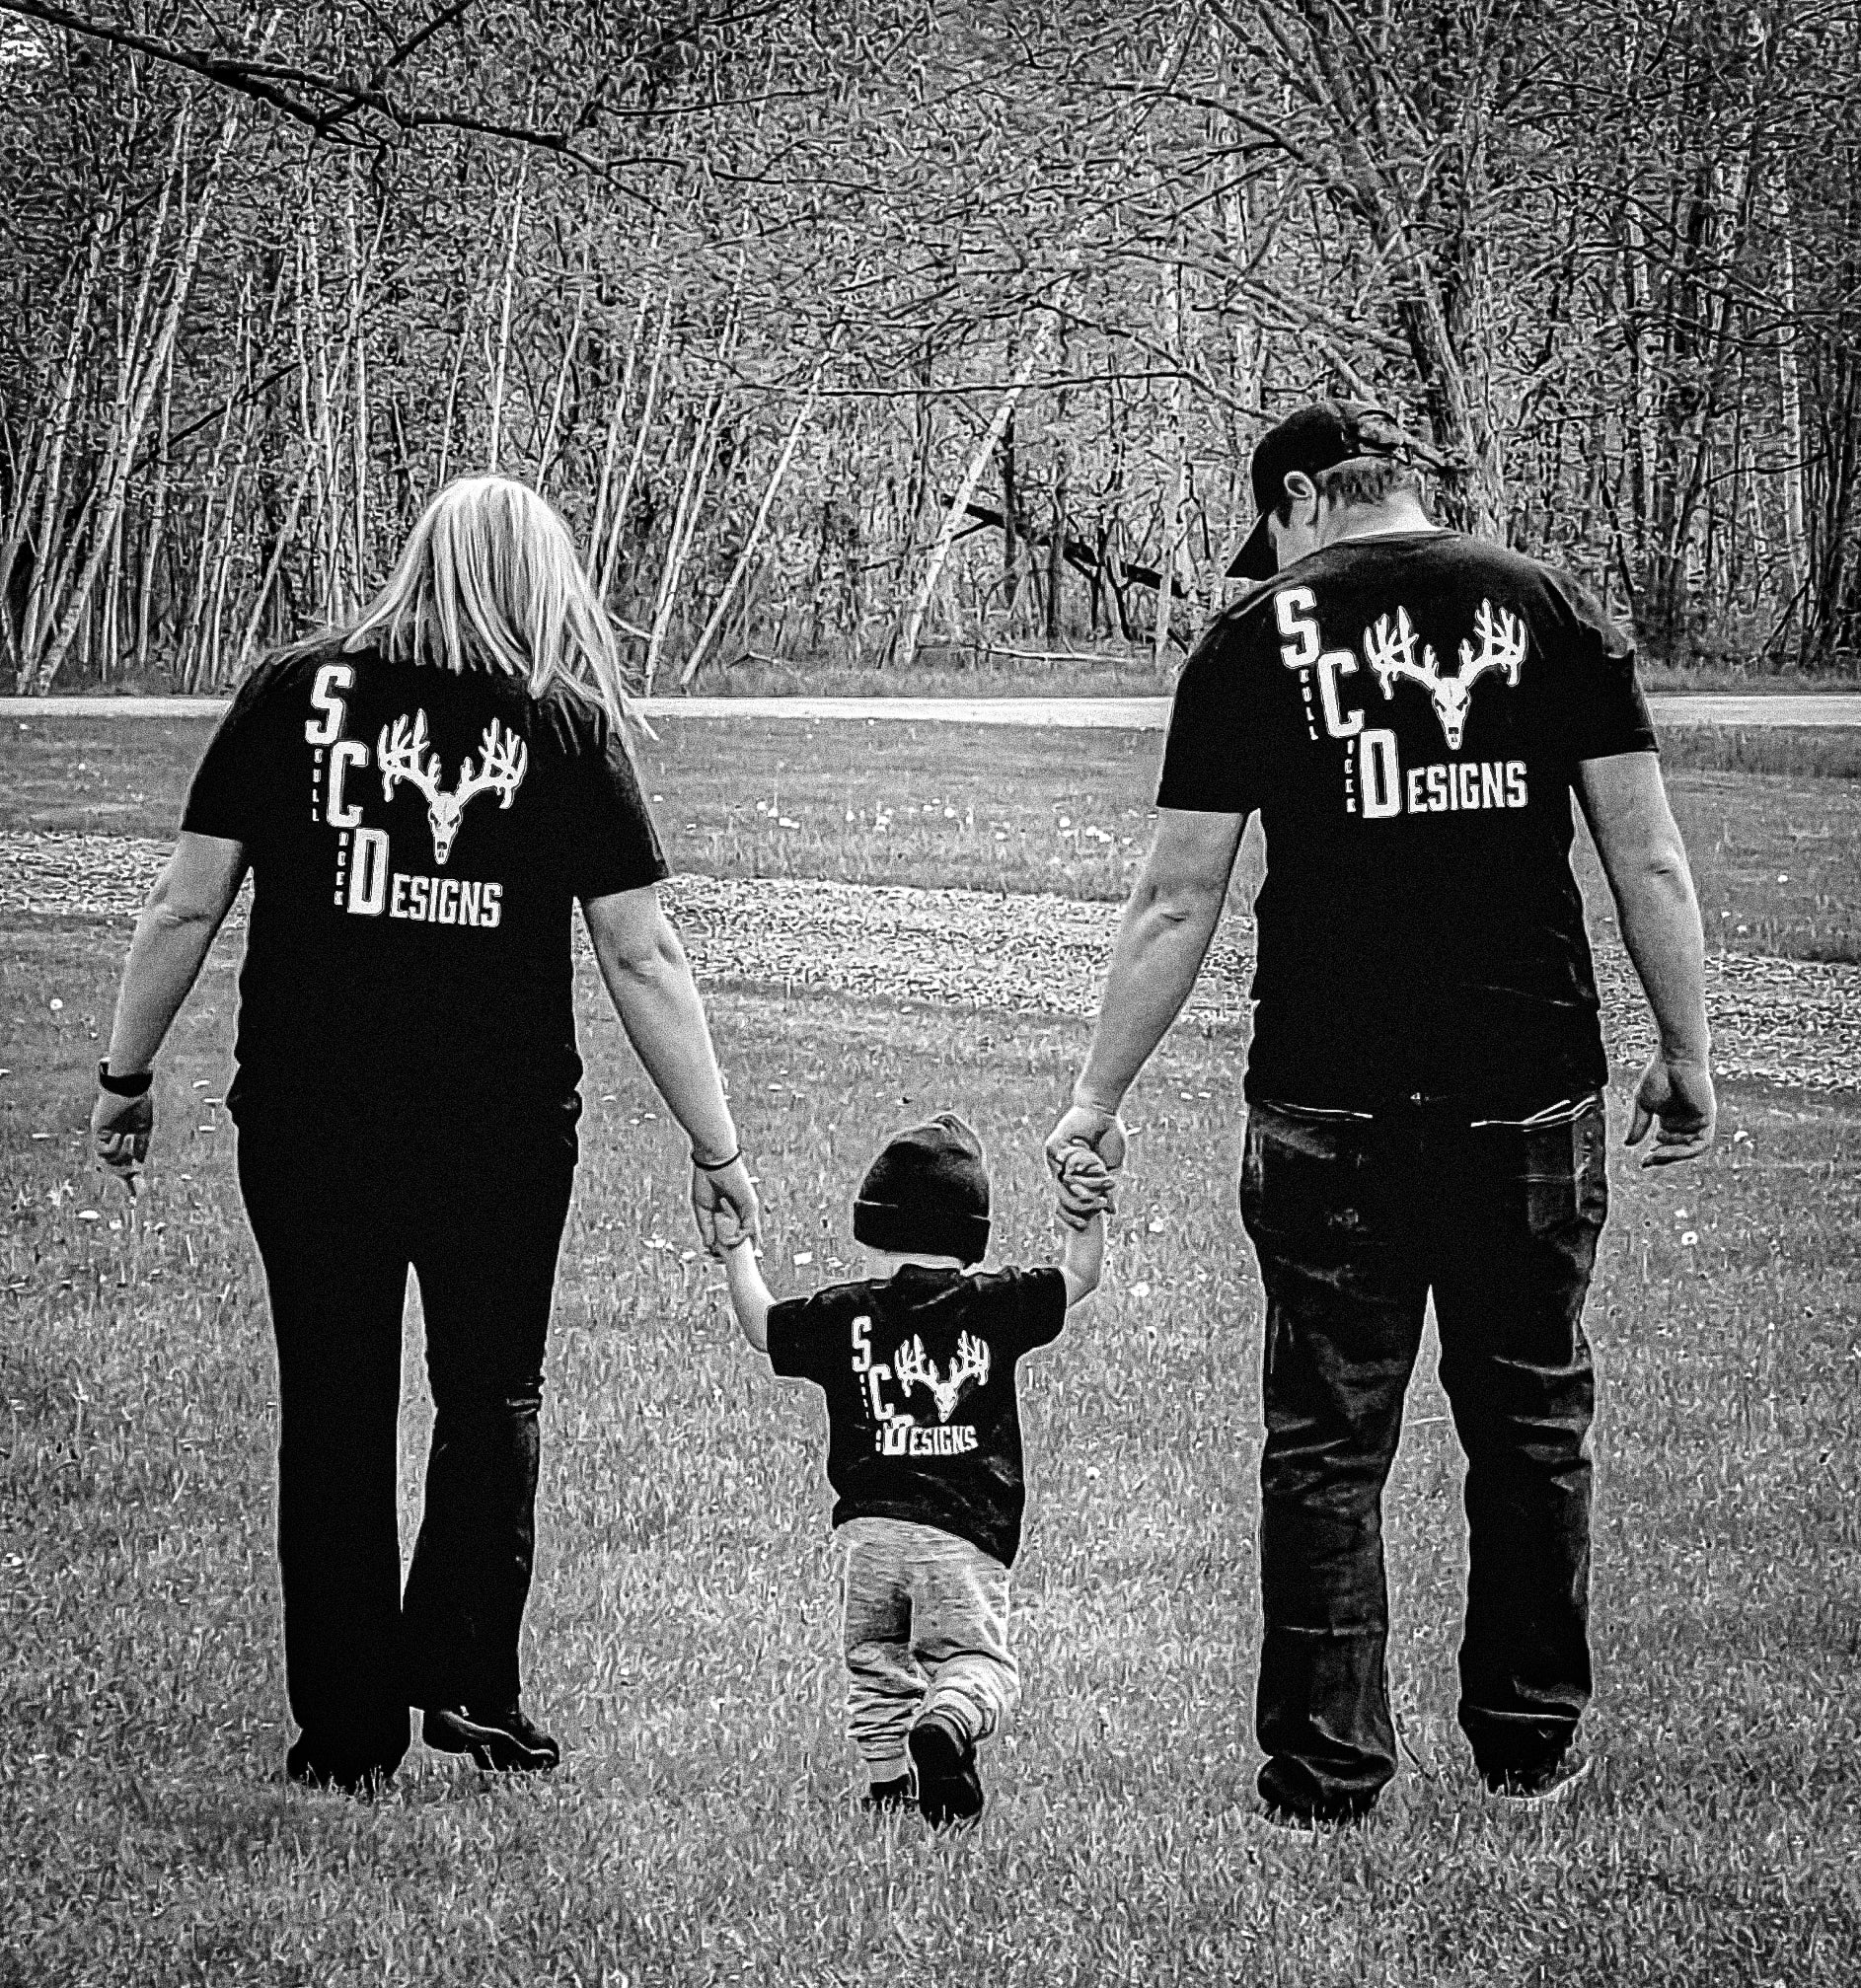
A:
{"x":949,"y":1790}
{"x":888,"y":1797}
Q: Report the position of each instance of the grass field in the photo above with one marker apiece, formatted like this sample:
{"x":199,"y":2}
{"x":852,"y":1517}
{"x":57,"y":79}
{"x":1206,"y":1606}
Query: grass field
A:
{"x":1113,"y":671}
{"x":682,"y":1635}
{"x":1772,"y":820}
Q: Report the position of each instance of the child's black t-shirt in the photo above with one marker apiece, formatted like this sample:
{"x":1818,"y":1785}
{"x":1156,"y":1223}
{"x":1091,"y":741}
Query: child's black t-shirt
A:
{"x":918,"y":1373}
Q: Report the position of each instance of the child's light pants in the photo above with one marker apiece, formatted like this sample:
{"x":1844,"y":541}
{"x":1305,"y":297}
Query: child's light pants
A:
{"x":927,"y":1630}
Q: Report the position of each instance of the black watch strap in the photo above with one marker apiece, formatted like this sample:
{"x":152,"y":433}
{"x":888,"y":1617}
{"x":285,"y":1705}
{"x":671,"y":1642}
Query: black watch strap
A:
{"x":123,"y":1087}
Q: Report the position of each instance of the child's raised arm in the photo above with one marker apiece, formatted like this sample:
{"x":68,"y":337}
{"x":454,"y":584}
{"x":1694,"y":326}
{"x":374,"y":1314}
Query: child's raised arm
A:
{"x":750,"y":1297}
{"x":1083,"y":1257}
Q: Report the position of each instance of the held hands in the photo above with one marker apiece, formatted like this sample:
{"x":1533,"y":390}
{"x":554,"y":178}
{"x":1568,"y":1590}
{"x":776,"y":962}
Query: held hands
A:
{"x":1084,"y":1151}
{"x":1675,"y":1098}
{"x":119,"y":1134}
{"x":718,"y":1193}
{"x":734,"y":1235}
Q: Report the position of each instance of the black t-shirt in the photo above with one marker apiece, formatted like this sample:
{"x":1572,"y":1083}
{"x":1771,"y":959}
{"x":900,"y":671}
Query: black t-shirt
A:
{"x":918,"y":1373}
{"x":1408,"y":714}
{"x":418,"y":839}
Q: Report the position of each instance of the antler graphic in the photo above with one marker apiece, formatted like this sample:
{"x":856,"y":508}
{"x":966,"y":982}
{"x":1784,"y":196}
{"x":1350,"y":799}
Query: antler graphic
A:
{"x":1502,"y":645}
{"x":971,"y":1364}
{"x":399,"y":757}
{"x":502,"y":768}
{"x":912,"y":1369}
{"x":1390,"y":652}
{"x":500,"y":771}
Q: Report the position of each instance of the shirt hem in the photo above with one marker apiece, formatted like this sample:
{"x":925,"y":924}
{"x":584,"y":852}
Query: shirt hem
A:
{"x":914,"y":1514}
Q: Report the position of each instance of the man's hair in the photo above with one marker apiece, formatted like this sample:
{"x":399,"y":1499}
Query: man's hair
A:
{"x":1367,"y":479}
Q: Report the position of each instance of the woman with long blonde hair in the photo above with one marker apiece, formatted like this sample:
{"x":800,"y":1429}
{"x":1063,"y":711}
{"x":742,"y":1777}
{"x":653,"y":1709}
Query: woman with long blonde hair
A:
{"x":422,"y":796}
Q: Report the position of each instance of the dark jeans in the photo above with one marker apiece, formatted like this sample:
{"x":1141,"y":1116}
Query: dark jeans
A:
{"x":339,"y":1215}
{"x":1354,"y":1222}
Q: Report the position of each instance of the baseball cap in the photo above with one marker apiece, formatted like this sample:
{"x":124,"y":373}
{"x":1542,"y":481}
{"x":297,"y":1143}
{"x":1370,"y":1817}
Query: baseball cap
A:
{"x":928,"y":1193}
{"x":1316,"y":439}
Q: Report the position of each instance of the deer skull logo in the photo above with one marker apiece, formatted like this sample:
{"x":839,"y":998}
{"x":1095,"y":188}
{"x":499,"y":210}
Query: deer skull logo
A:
{"x":402,"y":755}
{"x":1389,"y":650}
{"x":912,"y":1370}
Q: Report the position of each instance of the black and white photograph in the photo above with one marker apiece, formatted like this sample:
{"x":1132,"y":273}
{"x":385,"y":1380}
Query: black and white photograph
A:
{"x":930,"y":969}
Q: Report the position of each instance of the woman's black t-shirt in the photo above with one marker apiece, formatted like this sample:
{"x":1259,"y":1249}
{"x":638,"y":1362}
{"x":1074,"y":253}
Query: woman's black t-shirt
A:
{"x":417,"y":838}
{"x":1408,"y":714}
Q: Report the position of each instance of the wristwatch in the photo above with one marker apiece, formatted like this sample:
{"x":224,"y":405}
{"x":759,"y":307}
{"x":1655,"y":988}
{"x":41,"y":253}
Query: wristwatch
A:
{"x":123,"y":1087}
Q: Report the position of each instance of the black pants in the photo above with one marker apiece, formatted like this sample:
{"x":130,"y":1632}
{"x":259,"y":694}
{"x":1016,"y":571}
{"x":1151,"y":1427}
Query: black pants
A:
{"x":1354,"y":1222}
{"x":339,"y":1215}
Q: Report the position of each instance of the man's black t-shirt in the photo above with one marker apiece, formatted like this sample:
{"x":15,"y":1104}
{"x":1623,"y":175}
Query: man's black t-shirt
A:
{"x":918,"y":1373}
{"x":418,"y":839}
{"x":1408,"y":714}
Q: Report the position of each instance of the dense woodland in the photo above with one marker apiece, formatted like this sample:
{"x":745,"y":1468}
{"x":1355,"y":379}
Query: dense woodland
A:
{"x":872,"y":330}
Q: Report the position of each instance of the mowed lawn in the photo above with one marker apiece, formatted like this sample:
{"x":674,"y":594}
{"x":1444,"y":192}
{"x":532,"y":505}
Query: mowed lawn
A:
{"x":1772,"y":820}
{"x":681,"y":1638}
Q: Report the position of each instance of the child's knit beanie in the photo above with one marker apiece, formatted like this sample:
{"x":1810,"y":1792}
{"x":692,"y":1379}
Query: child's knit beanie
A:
{"x":927,"y":1193}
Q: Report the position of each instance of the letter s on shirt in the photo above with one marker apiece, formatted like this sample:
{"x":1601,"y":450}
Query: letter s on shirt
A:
{"x":327,"y":728}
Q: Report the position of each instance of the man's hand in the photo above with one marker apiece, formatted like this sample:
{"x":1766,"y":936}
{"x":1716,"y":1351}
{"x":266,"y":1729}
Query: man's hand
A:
{"x":120,"y":1132}
{"x":1088,"y":1191}
{"x":727,"y":1189}
{"x":1674,"y":1099}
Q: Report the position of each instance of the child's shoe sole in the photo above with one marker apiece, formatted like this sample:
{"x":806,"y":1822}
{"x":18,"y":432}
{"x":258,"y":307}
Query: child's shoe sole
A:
{"x":949,"y":1790}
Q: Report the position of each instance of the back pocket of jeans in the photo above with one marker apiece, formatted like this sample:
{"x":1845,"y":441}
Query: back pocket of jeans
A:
{"x":1563,"y":1173}
{"x":1303,"y":1176}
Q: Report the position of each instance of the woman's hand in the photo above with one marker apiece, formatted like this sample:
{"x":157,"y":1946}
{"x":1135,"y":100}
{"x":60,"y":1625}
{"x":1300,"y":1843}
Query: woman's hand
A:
{"x":731,"y":1190}
{"x":120,"y":1132}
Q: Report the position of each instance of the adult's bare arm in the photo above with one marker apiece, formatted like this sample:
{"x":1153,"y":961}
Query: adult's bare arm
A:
{"x":653,"y":994}
{"x":1625,"y":804}
{"x":1162,"y":939}
{"x":184,"y":909}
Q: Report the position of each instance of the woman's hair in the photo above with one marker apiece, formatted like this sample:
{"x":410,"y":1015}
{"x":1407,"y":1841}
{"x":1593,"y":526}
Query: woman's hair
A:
{"x":490,"y":579}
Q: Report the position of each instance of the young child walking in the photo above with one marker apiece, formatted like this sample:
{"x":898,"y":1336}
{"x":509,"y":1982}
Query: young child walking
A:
{"x":924,"y":1451}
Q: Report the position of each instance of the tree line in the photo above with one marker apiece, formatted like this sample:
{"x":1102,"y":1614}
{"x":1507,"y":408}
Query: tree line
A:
{"x":878,"y":331}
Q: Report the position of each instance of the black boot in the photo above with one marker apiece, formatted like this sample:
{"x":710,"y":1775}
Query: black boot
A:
{"x":501,"y":1742}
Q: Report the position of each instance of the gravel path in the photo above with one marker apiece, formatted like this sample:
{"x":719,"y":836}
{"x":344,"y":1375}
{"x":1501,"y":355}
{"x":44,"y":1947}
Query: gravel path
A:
{"x":1775,"y":1020}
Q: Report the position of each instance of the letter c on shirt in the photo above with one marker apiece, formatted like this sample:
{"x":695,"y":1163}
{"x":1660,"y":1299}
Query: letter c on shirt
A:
{"x":1332,"y":665}
{"x":338,"y":812}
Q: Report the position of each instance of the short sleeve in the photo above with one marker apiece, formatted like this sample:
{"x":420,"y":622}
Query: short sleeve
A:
{"x":1212,"y":753}
{"x":797,"y":1336}
{"x":613,"y":843}
{"x":1029,"y":1308}
{"x":233,"y":790}
{"x":1606,"y":712}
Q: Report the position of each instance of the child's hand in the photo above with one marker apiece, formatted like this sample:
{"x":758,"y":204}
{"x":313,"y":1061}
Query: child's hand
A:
{"x":1088,"y":1178}
{"x":731,"y":1233}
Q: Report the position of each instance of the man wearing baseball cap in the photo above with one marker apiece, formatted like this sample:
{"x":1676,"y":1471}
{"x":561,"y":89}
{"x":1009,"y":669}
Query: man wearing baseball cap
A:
{"x":1410,"y":712}
{"x":1304,"y":445}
